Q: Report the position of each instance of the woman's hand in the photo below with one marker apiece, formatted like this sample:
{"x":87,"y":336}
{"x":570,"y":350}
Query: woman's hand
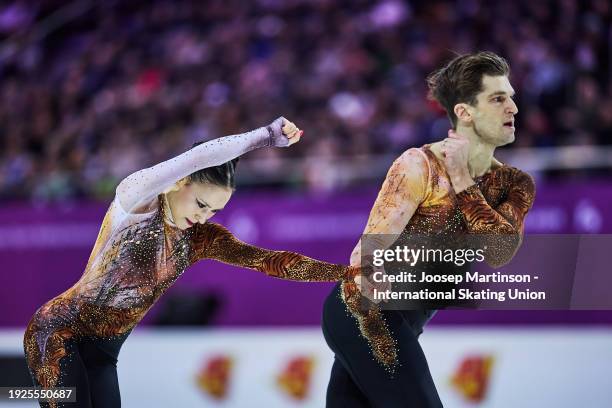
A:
{"x":284,"y":133}
{"x":366,"y":285}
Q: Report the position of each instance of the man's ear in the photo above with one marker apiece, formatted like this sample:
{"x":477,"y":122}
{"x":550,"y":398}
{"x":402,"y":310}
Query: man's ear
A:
{"x":463,"y":112}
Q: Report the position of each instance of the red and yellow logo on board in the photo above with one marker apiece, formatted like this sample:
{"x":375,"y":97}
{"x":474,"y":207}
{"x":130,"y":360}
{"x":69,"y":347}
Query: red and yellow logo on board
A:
{"x":295,"y":377}
{"x":214,"y":376}
{"x":472,"y":377}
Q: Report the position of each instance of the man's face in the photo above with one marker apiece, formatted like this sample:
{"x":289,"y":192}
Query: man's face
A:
{"x":493,"y":115}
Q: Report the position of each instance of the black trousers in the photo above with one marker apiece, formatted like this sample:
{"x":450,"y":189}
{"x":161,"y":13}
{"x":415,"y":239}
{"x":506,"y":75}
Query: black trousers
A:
{"x":91,"y":367}
{"x":358,"y":380}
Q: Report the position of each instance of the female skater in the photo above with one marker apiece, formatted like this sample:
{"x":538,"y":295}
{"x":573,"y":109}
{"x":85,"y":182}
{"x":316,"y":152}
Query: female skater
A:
{"x":154,"y":229}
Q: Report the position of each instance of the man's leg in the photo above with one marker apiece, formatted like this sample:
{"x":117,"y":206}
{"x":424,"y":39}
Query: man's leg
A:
{"x":342,"y":390}
{"x":411,"y":385}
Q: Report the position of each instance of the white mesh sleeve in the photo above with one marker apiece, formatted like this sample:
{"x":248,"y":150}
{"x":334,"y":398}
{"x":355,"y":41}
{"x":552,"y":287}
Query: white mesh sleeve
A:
{"x":144,"y":185}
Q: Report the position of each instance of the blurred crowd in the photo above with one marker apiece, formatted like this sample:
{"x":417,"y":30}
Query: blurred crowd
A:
{"x":92,"y":91}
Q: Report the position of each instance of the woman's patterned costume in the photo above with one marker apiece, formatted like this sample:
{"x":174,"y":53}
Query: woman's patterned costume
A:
{"x":139,"y":254}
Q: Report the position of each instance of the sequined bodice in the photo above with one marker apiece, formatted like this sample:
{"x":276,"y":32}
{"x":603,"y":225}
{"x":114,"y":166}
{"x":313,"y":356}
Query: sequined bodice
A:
{"x":137,"y":264}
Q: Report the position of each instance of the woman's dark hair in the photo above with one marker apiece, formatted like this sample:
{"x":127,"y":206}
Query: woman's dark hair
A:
{"x":221,"y":175}
{"x":460,"y":80}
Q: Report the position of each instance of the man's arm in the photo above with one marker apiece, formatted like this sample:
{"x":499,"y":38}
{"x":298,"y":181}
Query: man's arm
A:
{"x":501,"y":228}
{"x":402,"y":191}
{"x":214,"y":241}
{"x":404,"y":188}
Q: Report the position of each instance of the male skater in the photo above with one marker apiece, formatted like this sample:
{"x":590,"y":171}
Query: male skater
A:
{"x":451,"y":186}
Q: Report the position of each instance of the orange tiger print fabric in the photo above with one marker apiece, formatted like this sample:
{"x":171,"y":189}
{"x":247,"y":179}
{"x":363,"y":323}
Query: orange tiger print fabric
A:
{"x":216,"y":242}
{"x":139,"y":261}
{"x":417,"y":183}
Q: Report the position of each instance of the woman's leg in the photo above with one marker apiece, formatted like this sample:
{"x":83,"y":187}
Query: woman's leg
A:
{"x":72,"y":373}
{"x":104,"y":386}
{"x":51,"y":351}
{"x":100,"y":357}
{"x":91,"y":370}
{"x":411,"y":385}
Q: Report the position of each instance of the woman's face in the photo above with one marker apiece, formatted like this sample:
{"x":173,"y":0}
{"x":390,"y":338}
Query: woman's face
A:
{"x":193,"y":202}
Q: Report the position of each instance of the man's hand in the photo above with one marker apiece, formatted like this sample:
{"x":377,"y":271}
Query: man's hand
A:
{"x":455,"y":149}
{"x":284,"y":133}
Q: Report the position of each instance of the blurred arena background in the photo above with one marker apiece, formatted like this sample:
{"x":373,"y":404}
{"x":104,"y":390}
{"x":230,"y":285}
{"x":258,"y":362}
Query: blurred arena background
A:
{"x":93,"y":91}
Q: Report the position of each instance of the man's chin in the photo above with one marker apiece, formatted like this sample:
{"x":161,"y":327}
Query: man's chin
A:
{"x":510,"y":139}
{"x":505,"y":139}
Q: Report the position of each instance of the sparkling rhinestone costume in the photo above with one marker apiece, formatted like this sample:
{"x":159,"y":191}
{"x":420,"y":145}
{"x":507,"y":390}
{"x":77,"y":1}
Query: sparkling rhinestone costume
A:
{"x":139,"y":253}
{"x":494,"y":207}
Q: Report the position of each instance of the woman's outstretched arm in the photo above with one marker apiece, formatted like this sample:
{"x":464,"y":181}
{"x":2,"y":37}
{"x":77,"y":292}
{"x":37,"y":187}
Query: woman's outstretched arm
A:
{"x":213,"y":241}
{"x":154,"y":180}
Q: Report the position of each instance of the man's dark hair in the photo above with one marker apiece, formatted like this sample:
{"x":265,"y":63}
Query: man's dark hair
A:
{"x":221,"y":175}
{"x":460,"y":80}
